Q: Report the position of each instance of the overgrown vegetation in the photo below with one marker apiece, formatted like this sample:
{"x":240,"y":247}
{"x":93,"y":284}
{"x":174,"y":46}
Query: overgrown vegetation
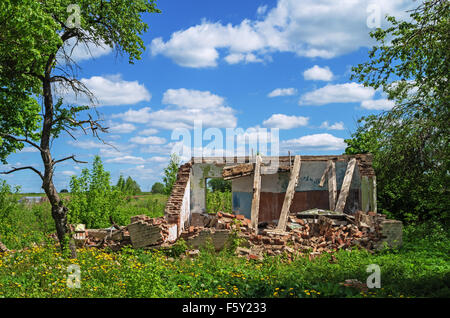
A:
{"x":170,"y":173}
{"x":128,"y":186}
{"x":410,"y":143}
{"x":419,"y":269}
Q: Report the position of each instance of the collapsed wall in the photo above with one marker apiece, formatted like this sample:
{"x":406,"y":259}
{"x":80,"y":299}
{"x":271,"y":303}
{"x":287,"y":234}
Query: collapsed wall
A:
{"x":178,"y":209}
{"x":308,"y":203}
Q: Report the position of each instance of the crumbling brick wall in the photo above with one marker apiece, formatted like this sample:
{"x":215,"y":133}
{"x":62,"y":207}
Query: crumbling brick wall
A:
{"x":177,"y":209}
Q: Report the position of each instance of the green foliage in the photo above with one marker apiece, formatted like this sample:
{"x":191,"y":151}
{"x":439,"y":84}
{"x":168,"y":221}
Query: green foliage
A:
{"x":22,"y":224}
{"x":93,"y":200}
{"x":158,"y":188}
{"x":32,"y":34}
{"x":419,"y":269}
{"x":219,"y":184}
{"x":219,"y":202}
{"x":410,"y":143}
{"x":64,"y":191}
{"x":129,"y":186}
{"x":170,"y":173}
{"x":7,"y":199}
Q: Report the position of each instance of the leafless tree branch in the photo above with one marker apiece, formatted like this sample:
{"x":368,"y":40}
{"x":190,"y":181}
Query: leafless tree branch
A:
{"x":23,"y":168}
{"x":68,"y":158}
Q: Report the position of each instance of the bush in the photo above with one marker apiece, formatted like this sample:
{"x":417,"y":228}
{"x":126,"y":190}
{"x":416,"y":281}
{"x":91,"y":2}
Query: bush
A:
{"x":158,"y":188}
{"x":93,"y":200}
{"x":219,"y":202}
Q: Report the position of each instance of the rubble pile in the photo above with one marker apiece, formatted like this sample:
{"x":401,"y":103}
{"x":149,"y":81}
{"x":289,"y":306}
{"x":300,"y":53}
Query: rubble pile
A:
{"x":310,"y":233}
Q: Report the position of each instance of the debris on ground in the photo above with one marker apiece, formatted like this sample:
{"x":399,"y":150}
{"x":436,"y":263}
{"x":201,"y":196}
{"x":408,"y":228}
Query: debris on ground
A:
{"x":309,"y":233}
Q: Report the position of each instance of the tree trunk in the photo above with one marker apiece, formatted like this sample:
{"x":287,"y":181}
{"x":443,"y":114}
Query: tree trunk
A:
{"x":59,"y":211}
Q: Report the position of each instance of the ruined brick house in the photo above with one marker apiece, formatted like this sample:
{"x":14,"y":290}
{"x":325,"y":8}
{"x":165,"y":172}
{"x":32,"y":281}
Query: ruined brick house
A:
{"x":342,"y":183}
{"x":306,"y":204}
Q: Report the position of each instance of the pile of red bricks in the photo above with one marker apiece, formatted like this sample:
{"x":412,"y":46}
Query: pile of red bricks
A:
{"x":307,"y":236}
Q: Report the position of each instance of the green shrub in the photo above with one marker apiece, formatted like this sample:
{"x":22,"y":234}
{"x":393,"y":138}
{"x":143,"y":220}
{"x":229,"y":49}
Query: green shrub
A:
{"x":93,"y":200}
{"x":219,"y":202}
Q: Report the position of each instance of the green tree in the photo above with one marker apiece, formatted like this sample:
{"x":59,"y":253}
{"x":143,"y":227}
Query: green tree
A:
{"x":93,"y":200}
{"x":170,"y":173}
{"x":131,"y":186}
{"x":121,"y":183}
{"x":410,"y":143}
{"x":158,"y":187}
{"x":35,"y":57}
{"x":218,"y":184}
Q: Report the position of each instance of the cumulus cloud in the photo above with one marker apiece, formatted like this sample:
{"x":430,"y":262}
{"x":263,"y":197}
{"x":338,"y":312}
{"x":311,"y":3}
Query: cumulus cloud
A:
{"x":317,"y":73}
{"x":29,"y":149}
{"x":338,"y":93}
{"x":323,"y":142}
{"x":184,"y":106}
{"x":336,"y":126}
{"x":236,"y":58}
{"x":80,"y":51}
{"x":110,"y":90}
{"x":282,"y":121}
{"x":123,"y":128}
{"x":68,"y":172}
{"x":378,"y":104}
{"x":295,"y":26}
{"x":282,"y":92}
{"x":126,"y":160}
{"x":149,"y":131}
{"x":151,"y":140}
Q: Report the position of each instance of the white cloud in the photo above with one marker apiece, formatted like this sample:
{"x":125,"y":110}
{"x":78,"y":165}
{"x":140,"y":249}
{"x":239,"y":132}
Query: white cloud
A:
{"x":235,"y":58}
{"x":123,"y":128}
{"x":317,"y":73}
{"x":311,"y":28}
{"x":126,"y":160}
{"x":261,"y":10}
{"x":185,"y":106}
{"x":335,"y":126}
{"x":149,"y":131}
{"x":282,"y":121}
{"x":325,"y":142}
{"x":81,"y":51}
{"x":68,"y":173}
{"x":282,"y":92}
{"x":338,"y":93}
{"x":378,"y":104}
{"x":110,"y":90}
{"x":111,"y":149}
{"x":151,"y":140}
{"x":29,"y":149}
{"x":139,"y":116}
{"x":188,"y":98}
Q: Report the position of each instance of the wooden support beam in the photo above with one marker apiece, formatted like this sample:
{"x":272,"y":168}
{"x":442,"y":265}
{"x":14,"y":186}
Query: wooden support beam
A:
{"x":345,"y":188}
{"x":290,"y":191}
{"x":332,"y":186}
{"x":256,"y":194}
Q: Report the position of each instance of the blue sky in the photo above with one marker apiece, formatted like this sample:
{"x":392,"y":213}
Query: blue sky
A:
{"x":230,"y":64}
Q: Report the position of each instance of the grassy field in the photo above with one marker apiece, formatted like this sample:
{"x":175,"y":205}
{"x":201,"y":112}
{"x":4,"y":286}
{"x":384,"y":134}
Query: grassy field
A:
{"x":421,"y":268}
